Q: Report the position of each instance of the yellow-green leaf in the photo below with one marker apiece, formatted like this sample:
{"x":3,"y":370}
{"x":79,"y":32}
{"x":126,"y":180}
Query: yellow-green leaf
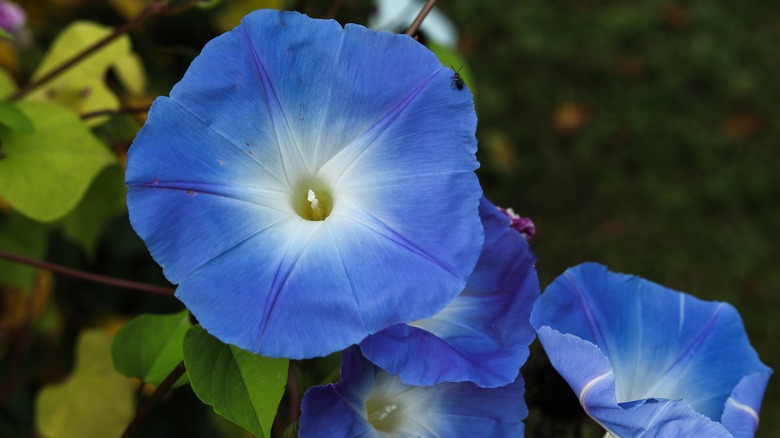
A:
{"x":129,"y":8}
{"x":82,"y":87}
{"x":44,"y":174}
{"x":94,"y":402}
{"x":7,"y":84}
{"x":233,"y":11}
{"x":13,"y":118}
{"x":130,"y":72}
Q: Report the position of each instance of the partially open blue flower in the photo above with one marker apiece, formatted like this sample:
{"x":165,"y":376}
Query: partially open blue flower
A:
{"x":368,"y":402}
{"x":647,"y":360}
{"x":306,"y":184}
{"x":483,"y":335}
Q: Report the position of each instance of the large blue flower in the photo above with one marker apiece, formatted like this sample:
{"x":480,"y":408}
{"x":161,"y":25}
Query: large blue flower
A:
{"x":306,"y":185}
{"x":368,"y":402}
{"x":647,"y":360}
{"x":483,"y":335}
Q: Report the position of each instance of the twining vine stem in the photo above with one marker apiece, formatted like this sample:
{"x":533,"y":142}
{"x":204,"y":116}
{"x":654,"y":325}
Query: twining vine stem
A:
{"x":96,"y":278}
{"x":158,"y":394}
{"x":420,"y":17}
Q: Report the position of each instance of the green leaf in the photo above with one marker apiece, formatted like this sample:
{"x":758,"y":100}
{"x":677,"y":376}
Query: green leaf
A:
{"x":241,"y":386}
{"x":7,"y":84}
{"x":94,"y":401}
{"x":44,"y":174}
{"x":208,"y":4}
{"x":21,"y":236}
{"x":104,"y":200}
{"x":5,"y":34}
{"x":130,"y":72}
{"x":150,"y":346}
{"x":11,"y":117}
{"x":83,"y":87}
{"x":233,"y":11}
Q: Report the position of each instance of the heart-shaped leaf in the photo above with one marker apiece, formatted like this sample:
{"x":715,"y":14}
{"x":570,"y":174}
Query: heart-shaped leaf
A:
{"x":83,"y":87}
{"x":241,"y":386}
{"x":45,"y":173}
{"x":150,"y":346}
{"x":94,"y":401}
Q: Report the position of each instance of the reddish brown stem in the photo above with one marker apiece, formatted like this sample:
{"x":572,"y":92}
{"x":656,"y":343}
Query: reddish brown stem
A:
{"x":156,"y":396}
{"x":420,"y":17}
{"x":292,"y":391}
{"x":96,"y":278}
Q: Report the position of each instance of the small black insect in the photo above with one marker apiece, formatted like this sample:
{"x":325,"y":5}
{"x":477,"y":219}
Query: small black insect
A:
{"x":457,"y":80}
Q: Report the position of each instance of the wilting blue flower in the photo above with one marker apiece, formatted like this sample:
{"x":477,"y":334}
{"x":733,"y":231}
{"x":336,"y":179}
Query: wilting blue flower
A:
{"x":368,"y":402}
{"x":647,"y":360}
{"x":483,"y":335}
{"x":306,"y":185}
{"x":522,"y":224}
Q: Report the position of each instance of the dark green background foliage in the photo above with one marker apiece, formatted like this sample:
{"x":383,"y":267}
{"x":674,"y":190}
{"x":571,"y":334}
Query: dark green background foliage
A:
{"x":665,"y":157}
{"x":639,"y":134}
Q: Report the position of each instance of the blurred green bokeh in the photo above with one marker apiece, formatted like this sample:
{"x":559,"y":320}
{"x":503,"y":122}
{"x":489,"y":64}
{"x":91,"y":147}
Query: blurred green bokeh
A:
{"x":642,"y":135}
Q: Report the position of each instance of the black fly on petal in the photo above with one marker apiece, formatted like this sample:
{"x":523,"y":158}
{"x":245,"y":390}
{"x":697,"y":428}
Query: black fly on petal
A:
{"x":457,"y":79}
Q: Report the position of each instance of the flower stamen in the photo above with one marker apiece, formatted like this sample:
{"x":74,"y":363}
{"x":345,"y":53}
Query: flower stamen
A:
{"x":381,"y":415}
{"x":316,"y":211}
{"x":312,"y":200}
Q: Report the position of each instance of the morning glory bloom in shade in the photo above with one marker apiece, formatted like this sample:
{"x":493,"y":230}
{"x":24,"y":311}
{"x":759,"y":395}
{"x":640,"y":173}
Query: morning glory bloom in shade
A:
{"x":306,"y":185}
{"x":647,"y":360}
{"x":12,"y":17}
{"x":481,"y":336}
{"x":368,"y":402}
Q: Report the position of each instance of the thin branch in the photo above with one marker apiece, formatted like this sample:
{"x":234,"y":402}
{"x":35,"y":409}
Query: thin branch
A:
{"x":113,"y":112}
{"x":420,"y":17}
{"x":156,"y":396}
{"x":96,"y":278}
{"x":292,"y":391}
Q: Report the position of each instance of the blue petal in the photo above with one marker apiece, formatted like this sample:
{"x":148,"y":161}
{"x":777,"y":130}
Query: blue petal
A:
{"x":323,"y":277}
{"x":590,"y":375}
{"x":179,"y":194}
{"x":280,"y":101}
{"x":367,"y":398}
{"x":661,"y":344}
{"x":483,"y":334}
{"x":740,"y":415}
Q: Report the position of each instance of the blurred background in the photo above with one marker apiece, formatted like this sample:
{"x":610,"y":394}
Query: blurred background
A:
{"x":641,"y":135}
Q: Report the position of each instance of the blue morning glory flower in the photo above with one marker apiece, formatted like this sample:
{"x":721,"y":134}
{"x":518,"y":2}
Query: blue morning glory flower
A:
{"x":481,"y":336}
{"x":307,"y":184}
{"x":647,"y":360}
{"x":368,"y":402}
